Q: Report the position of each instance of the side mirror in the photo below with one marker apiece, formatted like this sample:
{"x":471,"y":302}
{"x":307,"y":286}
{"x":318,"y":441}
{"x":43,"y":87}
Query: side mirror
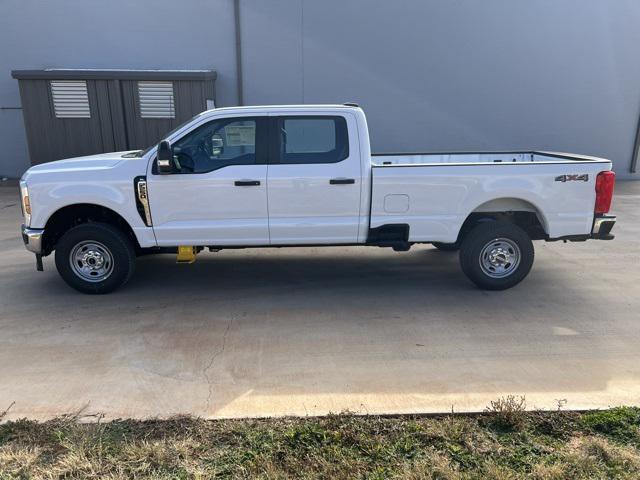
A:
{"x":165,"y":157}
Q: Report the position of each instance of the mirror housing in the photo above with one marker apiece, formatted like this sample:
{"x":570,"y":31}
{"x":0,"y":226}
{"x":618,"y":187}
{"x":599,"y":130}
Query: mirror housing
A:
{"x":165,"y":157}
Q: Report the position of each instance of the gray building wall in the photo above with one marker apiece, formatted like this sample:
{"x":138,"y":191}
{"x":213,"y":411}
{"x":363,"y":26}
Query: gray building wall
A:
{"x":432,"y":75}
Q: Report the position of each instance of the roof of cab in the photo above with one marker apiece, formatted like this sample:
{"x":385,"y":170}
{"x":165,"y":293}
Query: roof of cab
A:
{"x":275,"y":108}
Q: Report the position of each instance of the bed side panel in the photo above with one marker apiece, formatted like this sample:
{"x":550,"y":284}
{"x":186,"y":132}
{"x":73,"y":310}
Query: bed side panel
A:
{"x":440,"y":197}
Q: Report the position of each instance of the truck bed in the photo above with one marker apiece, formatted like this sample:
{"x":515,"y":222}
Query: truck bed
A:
{"x":433,"y":193}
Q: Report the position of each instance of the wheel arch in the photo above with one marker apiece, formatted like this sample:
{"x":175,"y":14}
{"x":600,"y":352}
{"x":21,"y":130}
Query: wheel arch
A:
{"x":75,"y":214}
{"x":518,"y":211}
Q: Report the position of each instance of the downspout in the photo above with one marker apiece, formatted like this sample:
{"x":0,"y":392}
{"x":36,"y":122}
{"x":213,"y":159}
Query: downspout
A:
{"x":636,"y":151}
{"x":239,"y":82}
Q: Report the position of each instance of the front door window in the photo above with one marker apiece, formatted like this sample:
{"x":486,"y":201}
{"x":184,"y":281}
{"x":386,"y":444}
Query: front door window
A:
{"x":216,"y":145}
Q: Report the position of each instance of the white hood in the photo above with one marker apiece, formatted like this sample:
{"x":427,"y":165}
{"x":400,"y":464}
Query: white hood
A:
{"x":89,"y":163}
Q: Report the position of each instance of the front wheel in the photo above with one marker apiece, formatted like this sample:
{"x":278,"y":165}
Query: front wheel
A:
{"x":496,"y":255}
{"x":95,"y":258}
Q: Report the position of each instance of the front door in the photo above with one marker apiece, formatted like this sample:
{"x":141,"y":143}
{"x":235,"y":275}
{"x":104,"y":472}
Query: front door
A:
{"x":217,"y":194}
{"x":314,"y":181}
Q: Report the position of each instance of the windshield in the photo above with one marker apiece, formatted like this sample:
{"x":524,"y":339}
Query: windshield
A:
{"x":142,"y":153}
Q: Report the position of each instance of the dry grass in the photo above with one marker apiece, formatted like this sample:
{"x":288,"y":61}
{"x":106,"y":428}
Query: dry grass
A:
{"x":503,"y":443}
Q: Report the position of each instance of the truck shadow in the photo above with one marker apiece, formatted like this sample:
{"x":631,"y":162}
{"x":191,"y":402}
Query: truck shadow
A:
{"x":301,"y":270}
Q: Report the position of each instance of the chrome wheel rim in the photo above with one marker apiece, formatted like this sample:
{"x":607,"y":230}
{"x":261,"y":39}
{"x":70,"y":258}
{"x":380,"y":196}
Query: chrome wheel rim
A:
{"x":499,"y":258}
{"x":91,"y":261}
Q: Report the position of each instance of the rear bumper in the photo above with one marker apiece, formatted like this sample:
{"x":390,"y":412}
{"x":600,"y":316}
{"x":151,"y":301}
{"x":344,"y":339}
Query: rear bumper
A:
{"x":32,"y":238}
{"x":602,"y":225}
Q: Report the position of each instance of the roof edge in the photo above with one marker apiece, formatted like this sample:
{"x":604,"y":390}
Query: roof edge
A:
{"x":109,"y":74}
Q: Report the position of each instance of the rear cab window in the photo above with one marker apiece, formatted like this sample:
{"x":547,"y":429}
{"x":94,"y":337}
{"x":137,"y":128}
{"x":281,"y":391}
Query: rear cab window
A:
{"x":310,"y":139}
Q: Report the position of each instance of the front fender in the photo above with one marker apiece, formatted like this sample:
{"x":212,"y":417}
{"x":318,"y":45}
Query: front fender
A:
{"x":116,"y":196}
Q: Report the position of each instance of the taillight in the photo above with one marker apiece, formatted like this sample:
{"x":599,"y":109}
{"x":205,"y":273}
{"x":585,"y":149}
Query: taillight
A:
{"x":604,"y":191}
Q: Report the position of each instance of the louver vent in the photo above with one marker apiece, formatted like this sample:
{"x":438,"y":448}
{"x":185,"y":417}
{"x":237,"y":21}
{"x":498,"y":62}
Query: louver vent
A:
{"x":70,"y":99}
{"x":156,"y":100}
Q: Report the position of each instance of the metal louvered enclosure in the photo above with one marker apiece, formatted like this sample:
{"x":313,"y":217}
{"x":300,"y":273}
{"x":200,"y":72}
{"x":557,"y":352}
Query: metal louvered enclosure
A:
{"x":70,"y":99}
{"x":69,"y":113}
{"x":156,"y":100}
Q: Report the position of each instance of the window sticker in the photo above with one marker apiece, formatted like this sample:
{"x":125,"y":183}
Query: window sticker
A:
{"x":240,"y":135}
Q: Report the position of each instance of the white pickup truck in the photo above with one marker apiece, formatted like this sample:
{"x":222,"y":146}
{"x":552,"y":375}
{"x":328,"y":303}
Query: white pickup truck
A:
{"x":305,"y":175}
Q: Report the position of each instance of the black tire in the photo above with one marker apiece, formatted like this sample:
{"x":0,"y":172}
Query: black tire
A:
{"x":109,"y":243}
{"x":503,"y":242}
{"x":447,"y":247}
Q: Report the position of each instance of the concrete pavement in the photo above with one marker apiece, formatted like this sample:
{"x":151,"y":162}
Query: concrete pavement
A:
{"x":310,"y":331}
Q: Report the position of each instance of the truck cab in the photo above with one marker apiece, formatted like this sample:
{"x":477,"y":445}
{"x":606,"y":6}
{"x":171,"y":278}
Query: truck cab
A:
{"x":260,"y":177}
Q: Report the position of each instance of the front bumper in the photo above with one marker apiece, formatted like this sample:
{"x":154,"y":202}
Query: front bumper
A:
{"x":602,"y":226}
{"x":32,"y":238}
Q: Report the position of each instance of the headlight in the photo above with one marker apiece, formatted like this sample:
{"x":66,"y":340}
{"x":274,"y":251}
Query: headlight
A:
{"x":26,"y":204}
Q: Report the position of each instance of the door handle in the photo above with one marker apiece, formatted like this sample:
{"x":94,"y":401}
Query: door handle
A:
{"x":342,"y":181}
{"x":246,"y":183}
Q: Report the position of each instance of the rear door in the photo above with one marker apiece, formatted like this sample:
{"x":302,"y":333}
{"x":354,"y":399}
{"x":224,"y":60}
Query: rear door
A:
{"x":314,"y":180}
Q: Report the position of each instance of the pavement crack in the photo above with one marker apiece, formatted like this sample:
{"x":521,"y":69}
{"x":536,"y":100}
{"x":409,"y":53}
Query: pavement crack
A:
{"x":205,"y":370}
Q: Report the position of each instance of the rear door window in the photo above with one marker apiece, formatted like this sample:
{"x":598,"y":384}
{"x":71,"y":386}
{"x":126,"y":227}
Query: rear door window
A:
{"x":311,"y":139}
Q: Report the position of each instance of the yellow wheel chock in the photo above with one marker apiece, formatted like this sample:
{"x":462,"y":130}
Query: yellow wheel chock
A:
{"x":186,"y":254}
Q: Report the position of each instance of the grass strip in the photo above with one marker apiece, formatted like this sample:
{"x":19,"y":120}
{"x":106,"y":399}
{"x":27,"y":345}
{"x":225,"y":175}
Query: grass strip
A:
{"x":504,"y":442}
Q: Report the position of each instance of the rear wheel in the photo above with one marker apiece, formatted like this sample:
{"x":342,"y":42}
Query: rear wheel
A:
{"x":447,"y":247}
{"x":95,"y":258}
{"x":496,"y":255}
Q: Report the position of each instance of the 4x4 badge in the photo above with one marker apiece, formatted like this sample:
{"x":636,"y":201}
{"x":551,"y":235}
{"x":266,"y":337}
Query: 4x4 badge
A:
{"x":584,"y":177}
